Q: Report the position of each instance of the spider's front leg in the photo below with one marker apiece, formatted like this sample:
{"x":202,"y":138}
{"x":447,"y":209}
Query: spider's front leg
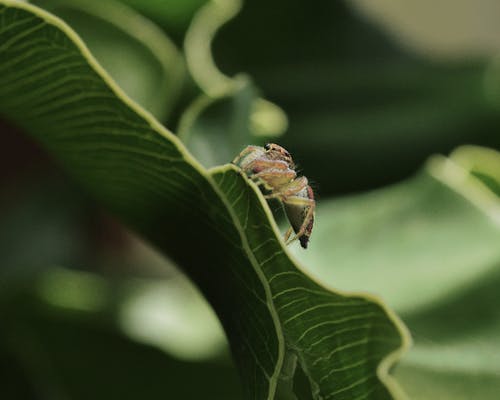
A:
{"x":290,"y":189}
{"x":248,"y":155}
{"x":272,"y":174}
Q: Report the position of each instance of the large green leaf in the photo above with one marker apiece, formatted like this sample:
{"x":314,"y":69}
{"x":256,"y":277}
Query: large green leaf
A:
{"x":430,"y":246}
{"x":215,"y":224}
{"x":457,"y":339}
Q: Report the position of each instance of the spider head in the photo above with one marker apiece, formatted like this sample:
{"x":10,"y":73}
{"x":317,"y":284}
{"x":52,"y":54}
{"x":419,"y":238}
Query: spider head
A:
{"x":276,"y":152}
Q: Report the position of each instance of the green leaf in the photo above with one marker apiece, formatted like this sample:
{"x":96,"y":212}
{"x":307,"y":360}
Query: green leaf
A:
{"x":260,"y":117}
{"x":482,"y":163}
{"x":430,"y":246}
{"x":415,"y":232}
{"x":457,"y":338}
{"x":172,"y":15}
{"x":215,"y":129}
{"x":154,"y":71}
{"x":215,"y":224}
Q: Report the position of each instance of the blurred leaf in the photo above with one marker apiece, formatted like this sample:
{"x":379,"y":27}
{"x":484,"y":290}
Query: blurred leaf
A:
{"x":456,"y":31}
{"x":353,"y":96}
{"x":173,"y":316}
{"x":69,"y":350}
{"x":215,"y":224}
{"x":168,"y":313}
{"x":153,"y":71}
{"x":482,"y":163}
{"x":456,"y":355}
{"x":41,"y":226}
{"x":173,"y":15}
{"x":430,"y":246}
{"x":255,"y":116}
{"x":492,"y":82}
{"x":215,"y":129}
{"x":416,"y":232}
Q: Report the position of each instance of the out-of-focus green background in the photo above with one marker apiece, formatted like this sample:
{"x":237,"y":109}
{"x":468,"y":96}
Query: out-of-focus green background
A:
{"x":370,"y":90}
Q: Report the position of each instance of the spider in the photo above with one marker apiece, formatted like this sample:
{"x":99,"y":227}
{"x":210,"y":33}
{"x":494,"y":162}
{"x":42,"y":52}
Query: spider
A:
{"x":272,"y":168}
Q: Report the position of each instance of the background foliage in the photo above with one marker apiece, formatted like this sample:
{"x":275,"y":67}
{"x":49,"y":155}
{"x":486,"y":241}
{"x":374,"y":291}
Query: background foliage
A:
{"x":84,"y":304}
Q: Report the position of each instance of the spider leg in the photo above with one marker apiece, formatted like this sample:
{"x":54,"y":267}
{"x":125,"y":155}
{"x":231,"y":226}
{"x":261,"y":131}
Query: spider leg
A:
{"x":246,"y":151}
{"x":273,"y":173}
{"x":247,"y":156}
{"x":270,"y":179}
{"x":261,"y":164}
{"x":288,"y":234}
{"x":291,"y":189}
{"x":300,"y":201}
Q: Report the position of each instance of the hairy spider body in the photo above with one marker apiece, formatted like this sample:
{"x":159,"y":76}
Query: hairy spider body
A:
{"x":272,"y":168}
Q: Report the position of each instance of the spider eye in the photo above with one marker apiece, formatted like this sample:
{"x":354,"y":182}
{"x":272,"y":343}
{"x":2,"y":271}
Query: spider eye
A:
{"x":267,"y":146}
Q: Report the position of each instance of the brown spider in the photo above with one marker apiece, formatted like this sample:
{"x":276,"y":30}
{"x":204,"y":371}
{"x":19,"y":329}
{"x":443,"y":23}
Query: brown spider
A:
{"x":272,"y":167}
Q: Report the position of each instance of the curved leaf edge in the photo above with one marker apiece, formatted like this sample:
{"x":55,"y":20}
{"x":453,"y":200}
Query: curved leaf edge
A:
{"x":458,"y":173}
{"x":383,"y":369}
{"x":144,"y":31}
{"x":117,"y":90}
{"x":268,"y":118}
{"x":200,"y":104}
{"x":478,"y":158}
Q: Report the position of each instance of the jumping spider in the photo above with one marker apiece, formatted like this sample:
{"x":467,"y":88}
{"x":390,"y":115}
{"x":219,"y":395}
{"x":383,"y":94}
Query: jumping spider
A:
{"x":273,"y":168}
